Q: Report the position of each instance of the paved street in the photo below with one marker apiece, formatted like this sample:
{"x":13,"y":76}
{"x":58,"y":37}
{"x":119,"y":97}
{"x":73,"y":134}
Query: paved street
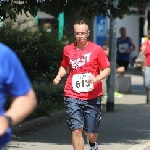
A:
{"x":127,"y":128}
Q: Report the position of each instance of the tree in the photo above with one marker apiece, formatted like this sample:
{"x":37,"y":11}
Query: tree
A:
{"x":86,"y":8}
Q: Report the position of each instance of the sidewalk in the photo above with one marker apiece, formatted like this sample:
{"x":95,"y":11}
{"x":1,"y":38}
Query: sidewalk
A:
{"x":127,"y":128}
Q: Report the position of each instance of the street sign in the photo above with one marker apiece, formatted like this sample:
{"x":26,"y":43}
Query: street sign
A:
{"x":101,"y":29}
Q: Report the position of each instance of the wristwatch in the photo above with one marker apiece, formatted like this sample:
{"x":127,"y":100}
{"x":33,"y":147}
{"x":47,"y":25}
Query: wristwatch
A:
{"x":10,"y":122}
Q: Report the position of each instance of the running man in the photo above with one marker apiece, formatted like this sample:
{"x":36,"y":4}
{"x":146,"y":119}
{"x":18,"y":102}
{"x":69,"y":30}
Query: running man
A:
{"x":83,"y":88}
{"x":125,"y":46}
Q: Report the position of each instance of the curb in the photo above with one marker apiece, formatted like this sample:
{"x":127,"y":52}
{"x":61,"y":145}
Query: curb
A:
{"x":38,"y":122}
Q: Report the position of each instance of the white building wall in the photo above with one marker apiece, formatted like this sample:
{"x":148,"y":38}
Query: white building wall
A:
{"x":131,"y":23}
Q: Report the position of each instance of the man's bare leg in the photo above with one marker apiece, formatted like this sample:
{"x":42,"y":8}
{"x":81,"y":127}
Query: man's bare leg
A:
{"x":77,"y":139}
{"x":121,"y":70}
{"x":92,"y":137}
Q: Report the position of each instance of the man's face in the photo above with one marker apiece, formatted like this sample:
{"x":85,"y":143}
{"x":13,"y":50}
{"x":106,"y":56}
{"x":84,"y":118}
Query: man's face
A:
{"x":81,"y":33}
{"x":123,"y":32}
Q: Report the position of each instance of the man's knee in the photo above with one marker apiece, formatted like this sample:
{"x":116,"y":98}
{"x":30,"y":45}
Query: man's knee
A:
{"x":77,"y":132}
{"x":121,"y":69}
{"x":92,"y":136}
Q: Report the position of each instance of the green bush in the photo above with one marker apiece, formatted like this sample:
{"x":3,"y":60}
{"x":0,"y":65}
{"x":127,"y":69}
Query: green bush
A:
{"x":40,"y":52}
{"x":50,"y":100}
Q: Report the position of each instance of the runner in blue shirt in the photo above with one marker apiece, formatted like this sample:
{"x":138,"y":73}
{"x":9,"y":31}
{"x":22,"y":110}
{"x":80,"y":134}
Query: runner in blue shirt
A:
{"x":15,"y":83}
{"x":125,"y":46}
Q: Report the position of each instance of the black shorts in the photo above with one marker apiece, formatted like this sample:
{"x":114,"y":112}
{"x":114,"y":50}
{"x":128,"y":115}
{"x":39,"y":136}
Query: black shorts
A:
{"x":122,"y":63}
{"x":84,"y":114}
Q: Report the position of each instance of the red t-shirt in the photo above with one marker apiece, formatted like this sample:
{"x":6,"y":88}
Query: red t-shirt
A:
{"x":147,"y":53}
{"x":91,"y":60}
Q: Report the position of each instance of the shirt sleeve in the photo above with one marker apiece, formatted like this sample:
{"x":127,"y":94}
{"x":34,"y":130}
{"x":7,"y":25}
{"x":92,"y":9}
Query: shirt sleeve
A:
{"x":16,"y":81}
{"x":103,"y":60}
{"x":65,"y":60}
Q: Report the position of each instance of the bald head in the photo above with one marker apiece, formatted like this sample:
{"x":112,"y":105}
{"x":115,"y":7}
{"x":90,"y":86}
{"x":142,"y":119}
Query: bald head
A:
{"x":81,"y":23}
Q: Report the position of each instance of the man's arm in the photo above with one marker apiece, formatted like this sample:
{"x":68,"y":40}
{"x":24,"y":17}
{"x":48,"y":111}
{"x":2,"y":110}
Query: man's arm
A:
{"x":17,"y":85}
{"x":128,"y":51}
{"x":103,"y":74}
{"x":133,"y":45}
{"x":20,"y":108}
{"x":61,"y":73}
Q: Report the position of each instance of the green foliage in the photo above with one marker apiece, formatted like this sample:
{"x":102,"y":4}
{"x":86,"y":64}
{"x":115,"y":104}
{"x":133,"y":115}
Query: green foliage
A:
{"x":86,"y":8}
{"x":40,"y":52}
{"x":50,"y":100}
{"x":9,"y":9}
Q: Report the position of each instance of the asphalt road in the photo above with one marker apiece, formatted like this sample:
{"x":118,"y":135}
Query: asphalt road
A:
{"x":127,"y":128}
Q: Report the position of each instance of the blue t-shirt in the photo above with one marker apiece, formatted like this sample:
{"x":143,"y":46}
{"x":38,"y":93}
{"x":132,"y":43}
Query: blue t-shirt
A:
{"x":122,"y":46}
{"x":13,"y":82}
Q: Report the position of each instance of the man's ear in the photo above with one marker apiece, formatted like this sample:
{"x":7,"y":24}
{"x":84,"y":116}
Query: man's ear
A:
{"x":88,"y":32}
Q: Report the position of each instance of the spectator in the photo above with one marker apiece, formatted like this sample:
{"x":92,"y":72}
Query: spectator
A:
{"x":104,"y":81}
{"x":145,"y":49}
{"x":125,"y":46}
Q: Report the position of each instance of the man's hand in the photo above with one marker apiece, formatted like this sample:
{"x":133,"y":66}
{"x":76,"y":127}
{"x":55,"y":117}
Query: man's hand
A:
{"x":56,"y":80}
{"x":92,"y":79}
{"x":3,"y":125}
{"x":128,"y":51}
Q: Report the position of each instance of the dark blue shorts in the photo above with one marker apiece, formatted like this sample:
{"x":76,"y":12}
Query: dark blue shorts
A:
{"x":123,"y":63}
{"x":84,"y":114}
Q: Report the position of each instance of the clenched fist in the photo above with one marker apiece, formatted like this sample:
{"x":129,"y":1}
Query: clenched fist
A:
{"x":92,"y":79}
{"x":56,"y":80}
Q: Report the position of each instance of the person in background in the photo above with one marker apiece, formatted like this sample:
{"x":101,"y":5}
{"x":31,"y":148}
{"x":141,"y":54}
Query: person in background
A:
{"x":145,"y":49}
{"x":106,"y":49}
{"x":104,"y":84}
{"x":88,"y":65}
{"x":125,"y":46}
{"x":15,"y":83}
{"x":104,"y":81}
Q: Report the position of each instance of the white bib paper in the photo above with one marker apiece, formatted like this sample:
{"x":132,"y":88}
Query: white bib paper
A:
{"x":123,"y":47}
{"x":80,"y":84}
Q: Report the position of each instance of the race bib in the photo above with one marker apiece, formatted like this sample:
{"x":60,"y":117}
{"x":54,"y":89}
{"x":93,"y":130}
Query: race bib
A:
{"x":123,"y":47}
{"x":80,"y":83}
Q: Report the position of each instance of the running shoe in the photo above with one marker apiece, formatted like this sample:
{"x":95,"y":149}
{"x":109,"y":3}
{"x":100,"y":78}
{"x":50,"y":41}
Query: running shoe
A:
{"x":94,"y":147}
{"x":118,"y":95}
